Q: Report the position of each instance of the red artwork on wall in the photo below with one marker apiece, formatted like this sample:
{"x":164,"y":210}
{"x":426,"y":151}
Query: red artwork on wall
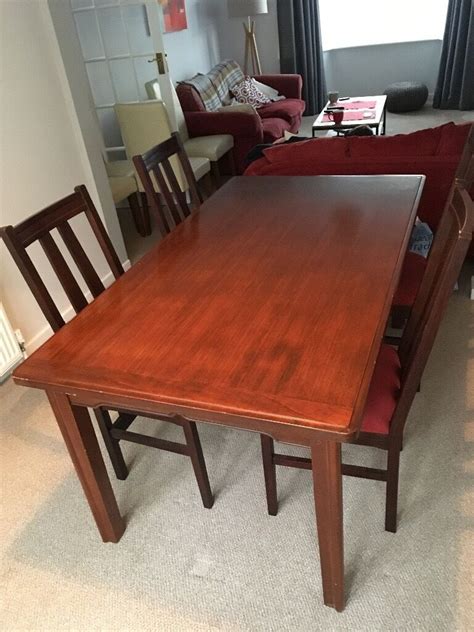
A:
{"x":174,"y":13}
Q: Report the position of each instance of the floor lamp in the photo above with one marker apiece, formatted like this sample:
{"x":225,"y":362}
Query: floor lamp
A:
{"x":248,"y":9}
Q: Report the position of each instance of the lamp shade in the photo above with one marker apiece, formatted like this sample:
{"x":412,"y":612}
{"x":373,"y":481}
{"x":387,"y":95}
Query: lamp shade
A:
{"x":244,"y":8}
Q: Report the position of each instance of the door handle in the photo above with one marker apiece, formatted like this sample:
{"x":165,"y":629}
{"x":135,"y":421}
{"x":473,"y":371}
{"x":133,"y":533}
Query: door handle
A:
{"x":159,"y":58}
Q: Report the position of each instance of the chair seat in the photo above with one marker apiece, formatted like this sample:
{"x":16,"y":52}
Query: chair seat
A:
{"x":122,"y":187}
{"x":274,"y":128}
{"x":200,"y":166}
{"x":210,"y":147}
{"x":383,"y":392}
{"x":410,"y":280}
{"x":288,"y":109}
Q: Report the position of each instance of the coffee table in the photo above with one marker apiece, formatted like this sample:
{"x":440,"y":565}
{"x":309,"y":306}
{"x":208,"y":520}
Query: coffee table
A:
{"x":355,"y":106}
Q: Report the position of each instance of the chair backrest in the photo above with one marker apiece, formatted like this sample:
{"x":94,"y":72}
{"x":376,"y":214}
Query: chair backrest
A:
{"x":38,"y":227}
{"x":153,"y":92}
{"x":444,"y":264}
{"x":144,"y":125}
{"x":156,"y":164}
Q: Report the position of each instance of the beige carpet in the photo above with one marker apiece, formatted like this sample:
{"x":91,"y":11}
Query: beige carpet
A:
{"x":182,"y":567}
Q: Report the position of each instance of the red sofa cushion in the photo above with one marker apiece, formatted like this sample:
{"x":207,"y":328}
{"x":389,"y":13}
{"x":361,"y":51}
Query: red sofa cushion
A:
{"x":452,"y":139}
{"x":274,"y":128}
{"x":327,"y":148}
{"x":383,"y":392}
{"x":413,"y":269}
{"x":378,"y":155}
{"x":422,"y":143}
{"x":287,"y":109}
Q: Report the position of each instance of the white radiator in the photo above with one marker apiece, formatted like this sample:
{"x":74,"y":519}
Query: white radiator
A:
{"x":10,"y":351}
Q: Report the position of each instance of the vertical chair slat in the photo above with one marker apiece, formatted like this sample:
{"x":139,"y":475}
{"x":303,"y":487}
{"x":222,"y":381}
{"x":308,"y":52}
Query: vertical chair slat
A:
{"x":166,"y":192}
{"x":100,"y":232}
{"x":154,"y":161}
{"x":176,"y":189}
{"x":80,"y":258}
{"x":32,"y":278}
{"x":64,"y":274}
{"x":152,"y":195}
{"x":196,"y":196}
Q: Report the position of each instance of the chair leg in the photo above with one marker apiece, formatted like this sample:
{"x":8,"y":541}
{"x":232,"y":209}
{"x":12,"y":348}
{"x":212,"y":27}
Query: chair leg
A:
{"x":216,"y":174}
{"x":399,"y":316}
{"x":269,"y":472}
{"x":140,"y":213}
{"x":231,"y":162}
{"x":197,"y":459}
{"x":112,"y":445}
{"x":391,"y":500}
{"x":207,"y":185}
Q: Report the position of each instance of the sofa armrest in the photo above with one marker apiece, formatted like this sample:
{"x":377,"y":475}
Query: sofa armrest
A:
{"x":234,"y":123}
{"x":290,"y":86}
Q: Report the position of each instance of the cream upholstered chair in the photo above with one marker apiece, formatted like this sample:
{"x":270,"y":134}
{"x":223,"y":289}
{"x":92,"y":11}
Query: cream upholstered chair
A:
{"x":144,"y":125}
{"x":124,"y":186}
{"x":213,"y":147}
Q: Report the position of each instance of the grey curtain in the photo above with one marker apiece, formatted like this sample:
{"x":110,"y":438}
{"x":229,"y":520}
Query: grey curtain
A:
{"x":455,"y":87}
{"x":300,"y":48}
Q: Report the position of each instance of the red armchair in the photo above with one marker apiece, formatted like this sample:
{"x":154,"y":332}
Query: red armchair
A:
{"x":264,"y":125}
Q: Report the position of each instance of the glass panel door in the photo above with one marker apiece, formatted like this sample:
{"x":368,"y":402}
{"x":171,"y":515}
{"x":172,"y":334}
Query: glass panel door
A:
{"x":120,"y":42}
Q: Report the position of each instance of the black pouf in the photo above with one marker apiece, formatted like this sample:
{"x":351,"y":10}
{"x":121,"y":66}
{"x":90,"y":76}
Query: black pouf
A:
{"x":406,"y":96}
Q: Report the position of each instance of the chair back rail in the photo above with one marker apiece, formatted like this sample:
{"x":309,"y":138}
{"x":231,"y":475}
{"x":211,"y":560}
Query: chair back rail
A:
{"x":452,"y":243}
{"x":156,"y":162}
{"x":38,"y":227}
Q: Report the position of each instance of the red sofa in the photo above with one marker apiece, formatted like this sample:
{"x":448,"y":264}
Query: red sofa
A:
{"x":433,"y":152}
{"x":265,"y":125}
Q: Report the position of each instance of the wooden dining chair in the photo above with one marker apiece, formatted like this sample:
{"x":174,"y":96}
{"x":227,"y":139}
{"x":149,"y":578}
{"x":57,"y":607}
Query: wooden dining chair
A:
{"x":414,"y":265}
{"x":398,"y":372}
{"x":155,"y":165}
{"x":38,"y":228}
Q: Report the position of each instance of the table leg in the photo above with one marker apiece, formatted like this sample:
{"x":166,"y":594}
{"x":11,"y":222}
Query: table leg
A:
{"x":78,"y":433}
{"x":327,"y":480}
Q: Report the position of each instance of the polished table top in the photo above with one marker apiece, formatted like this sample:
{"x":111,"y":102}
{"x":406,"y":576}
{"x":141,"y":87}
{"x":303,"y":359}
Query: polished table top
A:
{"x":269,"y":303}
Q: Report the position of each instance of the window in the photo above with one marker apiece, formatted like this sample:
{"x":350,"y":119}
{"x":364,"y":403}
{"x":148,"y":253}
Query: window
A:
{"x":346,"y":23}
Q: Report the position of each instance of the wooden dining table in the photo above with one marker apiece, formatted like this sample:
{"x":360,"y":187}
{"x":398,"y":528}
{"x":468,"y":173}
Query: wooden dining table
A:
{"x":263,"y":311}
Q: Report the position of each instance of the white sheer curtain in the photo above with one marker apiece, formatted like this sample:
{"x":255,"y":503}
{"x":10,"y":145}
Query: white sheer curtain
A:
{"x":346,"y":23}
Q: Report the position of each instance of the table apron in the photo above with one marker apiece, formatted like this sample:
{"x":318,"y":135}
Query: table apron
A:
{"x":278,"y":430}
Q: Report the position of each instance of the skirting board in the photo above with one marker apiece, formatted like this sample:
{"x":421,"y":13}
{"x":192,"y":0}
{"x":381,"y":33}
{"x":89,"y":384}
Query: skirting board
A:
{"x":43,"y":335}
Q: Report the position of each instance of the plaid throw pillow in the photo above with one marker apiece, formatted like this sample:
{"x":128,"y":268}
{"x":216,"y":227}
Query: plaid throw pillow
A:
{"x":247,"y":92}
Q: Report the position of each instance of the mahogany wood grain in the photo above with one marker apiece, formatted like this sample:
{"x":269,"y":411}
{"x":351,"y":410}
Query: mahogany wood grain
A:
{"x":240,"y":308}
{"x":246,"y":315}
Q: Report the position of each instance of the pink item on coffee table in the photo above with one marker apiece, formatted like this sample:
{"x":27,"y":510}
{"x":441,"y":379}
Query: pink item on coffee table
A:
{"x":357,"y":105}
{"x":355,"y":115}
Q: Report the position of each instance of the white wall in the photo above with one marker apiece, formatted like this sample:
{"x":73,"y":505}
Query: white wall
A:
{"x":43,"y":152}
{"x":232,"y":40}
{"x":212,"y":36}
{"x":197,"y":48}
